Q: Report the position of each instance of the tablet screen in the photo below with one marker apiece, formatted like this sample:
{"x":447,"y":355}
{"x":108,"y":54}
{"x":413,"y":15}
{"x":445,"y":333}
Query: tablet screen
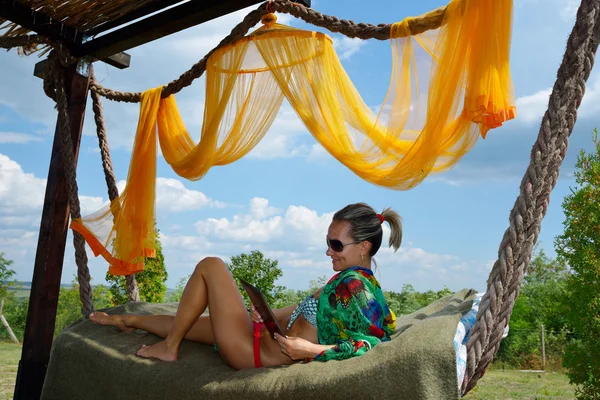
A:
{"x":261,"y":305}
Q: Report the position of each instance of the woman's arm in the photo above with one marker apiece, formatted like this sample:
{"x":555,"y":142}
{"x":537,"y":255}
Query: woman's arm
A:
{"x":280,"y":314}
{"x":300,"y":349}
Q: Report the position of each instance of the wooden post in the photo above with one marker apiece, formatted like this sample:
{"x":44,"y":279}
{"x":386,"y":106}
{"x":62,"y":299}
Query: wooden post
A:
{"x":45,"y":286}
{"x":543,"y":350}
{"x":5,"y":323}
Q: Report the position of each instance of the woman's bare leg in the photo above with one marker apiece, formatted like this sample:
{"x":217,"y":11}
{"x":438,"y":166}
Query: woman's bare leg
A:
{"x":211,"y":283}
{"x":159,"y":325}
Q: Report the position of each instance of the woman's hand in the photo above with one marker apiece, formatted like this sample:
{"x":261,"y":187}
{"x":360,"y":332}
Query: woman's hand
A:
{"x":297,"y":348}
{"x":254,"y":315}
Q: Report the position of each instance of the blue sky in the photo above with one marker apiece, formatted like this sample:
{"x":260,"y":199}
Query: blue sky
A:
{"x":280,"y":198}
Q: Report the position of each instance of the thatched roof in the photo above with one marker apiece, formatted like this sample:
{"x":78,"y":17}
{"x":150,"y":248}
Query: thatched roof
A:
{"x":83,"y":15}
{"x":104,"y":29}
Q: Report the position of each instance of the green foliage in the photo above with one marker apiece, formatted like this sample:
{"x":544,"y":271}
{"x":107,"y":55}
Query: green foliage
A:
{"x":540,"y":302}
{"x":5,"y":275}
{"x":176,"y":295}
{"x":15,"y":312}
{"x":69,"y":304}
{"x":579,"y":247}
{"x":258,"y":270}
{"x":287,"y":297}
{"x":68,"y":309}
{"x":151,"y":281}
{"x":409,"y":300}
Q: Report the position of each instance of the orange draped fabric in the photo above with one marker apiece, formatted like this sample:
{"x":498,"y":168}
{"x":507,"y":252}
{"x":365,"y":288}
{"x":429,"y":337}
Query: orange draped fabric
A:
{"x":468,"y":92}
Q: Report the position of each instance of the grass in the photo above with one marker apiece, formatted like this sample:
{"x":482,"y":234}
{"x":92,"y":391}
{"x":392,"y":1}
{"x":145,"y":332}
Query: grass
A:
{"x":496,"y":384}
{"x":10,"y":354}
{"x":511,"y":384}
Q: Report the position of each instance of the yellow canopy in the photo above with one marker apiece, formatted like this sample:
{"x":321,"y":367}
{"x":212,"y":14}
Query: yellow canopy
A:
{"x":469,"y":92}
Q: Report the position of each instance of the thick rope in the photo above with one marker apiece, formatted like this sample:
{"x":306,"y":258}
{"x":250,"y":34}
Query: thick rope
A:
{"x":432,"y":20}
{"x":361,"y":30}
{"x":56,"y":71}
{"x":537,"y":184}
{"x":109,"y":174}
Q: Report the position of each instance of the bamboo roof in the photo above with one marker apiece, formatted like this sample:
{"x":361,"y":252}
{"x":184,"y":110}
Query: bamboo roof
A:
{"x":83,"y":15}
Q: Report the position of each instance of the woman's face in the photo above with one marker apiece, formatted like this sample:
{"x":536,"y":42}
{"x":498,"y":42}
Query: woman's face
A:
{"x":342,"y":249}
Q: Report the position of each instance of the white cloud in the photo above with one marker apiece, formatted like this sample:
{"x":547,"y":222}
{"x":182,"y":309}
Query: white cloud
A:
{"x":173,"y":196}
{"x":531,"y":108}
{"x":295,"y":237}
{"x":91,"y":204}
{"x":318,"y":153}
{"x":283,"y":138}
{"x":241,"y":228}
{"x":346,"y":47}
{"x":21,"y":201}
{"x":20,"y":192}
{"x":464,"y":174}
{"x":260,"y":209}
{"x":19,"y":138}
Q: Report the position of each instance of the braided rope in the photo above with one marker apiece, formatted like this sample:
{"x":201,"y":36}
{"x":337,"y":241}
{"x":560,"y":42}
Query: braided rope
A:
{"x":361,"y":30}
{"x":109,"y":174}
{"x":83,"y":274}
{"x":531,"y":206}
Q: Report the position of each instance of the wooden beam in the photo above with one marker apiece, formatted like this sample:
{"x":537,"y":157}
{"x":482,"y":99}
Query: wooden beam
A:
{"x":133,"y":15}
{"x":163,"y":24}
{"x":43,"y":299}
{"x":121,"y":60}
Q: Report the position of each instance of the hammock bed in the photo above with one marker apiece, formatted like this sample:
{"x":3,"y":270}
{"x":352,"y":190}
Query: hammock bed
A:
{"x":420,"y":362}
{"x":469,"y":92}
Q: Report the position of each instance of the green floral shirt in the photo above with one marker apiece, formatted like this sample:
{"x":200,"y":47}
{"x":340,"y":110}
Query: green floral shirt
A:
{"x":352,"y":315}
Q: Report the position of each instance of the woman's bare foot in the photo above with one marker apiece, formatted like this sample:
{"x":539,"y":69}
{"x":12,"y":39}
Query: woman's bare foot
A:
{"x":159,"y":350}
{"x":103,"y":318}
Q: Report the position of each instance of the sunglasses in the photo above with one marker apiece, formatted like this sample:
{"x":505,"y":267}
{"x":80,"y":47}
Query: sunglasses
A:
{"x":337,"y":245}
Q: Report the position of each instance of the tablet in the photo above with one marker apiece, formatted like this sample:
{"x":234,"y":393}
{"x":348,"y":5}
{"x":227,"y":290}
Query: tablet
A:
{"x":260,"y":304}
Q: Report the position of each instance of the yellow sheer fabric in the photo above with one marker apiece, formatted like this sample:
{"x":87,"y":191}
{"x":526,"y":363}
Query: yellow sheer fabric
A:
{"x":469,"y":92}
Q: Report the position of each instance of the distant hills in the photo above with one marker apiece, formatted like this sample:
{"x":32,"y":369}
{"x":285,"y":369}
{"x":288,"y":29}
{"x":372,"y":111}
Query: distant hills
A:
{"x":22,"y":289}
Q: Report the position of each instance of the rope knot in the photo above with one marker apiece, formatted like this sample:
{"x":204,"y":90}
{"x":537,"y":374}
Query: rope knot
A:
{"x":269,"y":19}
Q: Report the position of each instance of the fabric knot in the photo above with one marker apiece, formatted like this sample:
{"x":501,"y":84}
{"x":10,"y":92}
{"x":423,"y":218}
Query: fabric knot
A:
{"x":269,"y":19}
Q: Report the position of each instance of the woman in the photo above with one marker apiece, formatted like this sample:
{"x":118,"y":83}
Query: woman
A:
{"x":345,"y":318}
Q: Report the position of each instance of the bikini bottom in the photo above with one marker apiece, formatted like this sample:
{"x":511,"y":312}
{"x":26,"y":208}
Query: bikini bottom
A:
{"x":257,"y":329}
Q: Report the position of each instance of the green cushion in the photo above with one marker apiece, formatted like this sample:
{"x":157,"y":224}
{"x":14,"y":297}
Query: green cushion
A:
{"x":89,"y":362}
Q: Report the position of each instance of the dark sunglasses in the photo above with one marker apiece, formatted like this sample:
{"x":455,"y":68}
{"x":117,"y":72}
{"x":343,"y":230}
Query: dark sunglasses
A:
{"x":337,"y":245}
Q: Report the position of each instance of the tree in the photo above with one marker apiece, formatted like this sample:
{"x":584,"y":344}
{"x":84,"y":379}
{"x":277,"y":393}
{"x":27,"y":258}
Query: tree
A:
{"x":288,"y":297}
{"x":5,"y":275}
{"x":69,"y":304}
{"x":257,"y":270}
{"x":545,"y":286}
{"x":579,"y":247}
{"x":539,"y":302}
{"x":176,"y":295}
{"x":151,"y":281}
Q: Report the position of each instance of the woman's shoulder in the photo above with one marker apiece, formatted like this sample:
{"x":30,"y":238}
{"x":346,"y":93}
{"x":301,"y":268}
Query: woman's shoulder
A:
{"x":345,"y":277}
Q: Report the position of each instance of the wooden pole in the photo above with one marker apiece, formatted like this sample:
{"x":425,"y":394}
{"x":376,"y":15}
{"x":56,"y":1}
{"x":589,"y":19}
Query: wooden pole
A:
{"x":5,"y":323}
{"x":45,"y":286}
{"x":543,"y":350}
